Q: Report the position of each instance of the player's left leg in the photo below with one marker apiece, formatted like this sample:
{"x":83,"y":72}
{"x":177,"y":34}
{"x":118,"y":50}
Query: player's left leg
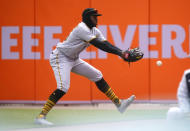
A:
{"x":62,"y":75}
{"x":96,"y":76}
{"x":50,"y":103}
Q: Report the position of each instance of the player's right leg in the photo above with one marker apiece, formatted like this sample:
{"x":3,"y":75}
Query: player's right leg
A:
{"x":95,"y":75}
{"x":120,"y":104}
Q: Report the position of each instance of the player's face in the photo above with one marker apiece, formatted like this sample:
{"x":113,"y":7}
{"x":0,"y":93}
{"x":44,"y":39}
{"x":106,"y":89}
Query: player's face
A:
{"x":94,"y":19}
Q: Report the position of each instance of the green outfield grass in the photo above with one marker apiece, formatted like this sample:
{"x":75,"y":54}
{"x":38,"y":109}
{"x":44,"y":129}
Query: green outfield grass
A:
{"x":11,"y":118}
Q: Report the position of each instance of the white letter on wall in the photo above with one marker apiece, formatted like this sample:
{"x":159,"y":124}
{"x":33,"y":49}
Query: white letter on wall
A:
{"x":7,"y":42}
{"x":29,"y":42}
{"x":129,"y":35}
{"x":168,"y":43}
{"x":144,"y":40}
{"x":49,"y":41}
{"x":102,"y":54}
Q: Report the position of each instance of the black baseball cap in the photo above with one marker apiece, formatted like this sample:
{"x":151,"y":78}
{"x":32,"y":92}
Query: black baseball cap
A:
{"x":90,"y":11}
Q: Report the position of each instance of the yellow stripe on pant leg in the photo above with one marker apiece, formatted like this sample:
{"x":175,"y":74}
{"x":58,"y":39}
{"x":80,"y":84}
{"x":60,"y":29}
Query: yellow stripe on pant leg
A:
{"x":58,"y":68}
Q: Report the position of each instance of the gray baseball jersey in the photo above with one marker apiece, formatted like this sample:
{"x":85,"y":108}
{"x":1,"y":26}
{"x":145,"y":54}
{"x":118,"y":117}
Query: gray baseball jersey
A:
{"x":65,"y":58}
{"x":78,"y":40}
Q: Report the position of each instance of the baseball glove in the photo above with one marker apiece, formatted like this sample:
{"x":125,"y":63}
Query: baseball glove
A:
{"x":132,"y":55}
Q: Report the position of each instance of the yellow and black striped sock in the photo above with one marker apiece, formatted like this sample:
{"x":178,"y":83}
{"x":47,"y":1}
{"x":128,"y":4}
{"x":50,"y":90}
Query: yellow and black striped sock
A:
{"x":111,"y":95}
{"x":47,"y":107}
{"x":52,"y":100}
{"x":104,"y":87}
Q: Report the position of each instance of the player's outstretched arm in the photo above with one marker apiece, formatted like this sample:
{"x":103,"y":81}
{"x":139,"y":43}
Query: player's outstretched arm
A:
{"x":130,"y":55}
{"x":106,"y":46}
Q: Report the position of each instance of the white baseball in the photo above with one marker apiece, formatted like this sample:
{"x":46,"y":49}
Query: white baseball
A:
{"x":159,"y":63}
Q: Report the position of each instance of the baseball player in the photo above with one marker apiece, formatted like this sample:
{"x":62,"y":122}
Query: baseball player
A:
{"x":183,"y":93}
{"x":65,"y":59}
{"x":183,"y":96}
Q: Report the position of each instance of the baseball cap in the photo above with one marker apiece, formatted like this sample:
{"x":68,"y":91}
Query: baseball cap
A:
{"x":91,"y":11}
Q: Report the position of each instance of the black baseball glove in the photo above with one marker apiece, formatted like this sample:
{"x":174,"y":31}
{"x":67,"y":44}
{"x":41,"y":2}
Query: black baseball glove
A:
{"x":132,"y":55}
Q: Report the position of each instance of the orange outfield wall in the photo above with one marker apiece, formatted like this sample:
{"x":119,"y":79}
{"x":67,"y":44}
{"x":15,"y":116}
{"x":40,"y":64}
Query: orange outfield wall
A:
{"x":30,"y":29}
